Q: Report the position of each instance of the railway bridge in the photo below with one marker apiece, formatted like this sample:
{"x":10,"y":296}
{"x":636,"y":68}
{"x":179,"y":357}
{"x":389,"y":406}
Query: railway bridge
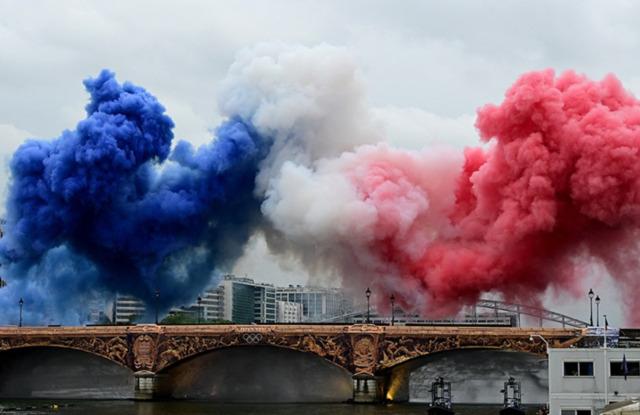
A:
{"x":367,"y":352}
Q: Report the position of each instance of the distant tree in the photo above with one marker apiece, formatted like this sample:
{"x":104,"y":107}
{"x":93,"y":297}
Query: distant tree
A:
{"x":180,"y":318}
{"x":189,"y":318}
{"x":218,"y":321}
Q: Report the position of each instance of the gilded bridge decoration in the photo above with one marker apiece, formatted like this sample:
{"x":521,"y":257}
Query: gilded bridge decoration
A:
{"x":364,"y":350}
{"x":172,"y":349}
{"x":396,"y":350}
{"x":114,"y":348}
{"x":144,"y":348}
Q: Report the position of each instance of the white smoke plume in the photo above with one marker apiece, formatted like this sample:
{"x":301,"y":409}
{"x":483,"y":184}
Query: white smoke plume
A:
{"x":310,"y":100}
{"x":325,"y":157}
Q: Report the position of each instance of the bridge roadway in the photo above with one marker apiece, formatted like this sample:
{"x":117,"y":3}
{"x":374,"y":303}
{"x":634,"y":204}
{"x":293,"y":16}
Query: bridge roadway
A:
{"x":366,"y":351}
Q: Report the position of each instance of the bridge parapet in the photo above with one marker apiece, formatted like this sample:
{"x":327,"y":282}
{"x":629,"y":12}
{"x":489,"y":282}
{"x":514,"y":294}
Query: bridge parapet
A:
{"x":364,"y":350}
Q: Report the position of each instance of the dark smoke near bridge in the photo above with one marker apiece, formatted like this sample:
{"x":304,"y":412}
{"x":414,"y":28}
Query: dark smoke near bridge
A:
{"x":110,"y":206}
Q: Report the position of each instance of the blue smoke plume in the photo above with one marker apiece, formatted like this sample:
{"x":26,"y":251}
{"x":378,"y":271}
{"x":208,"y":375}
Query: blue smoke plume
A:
{"x":109,"y":207}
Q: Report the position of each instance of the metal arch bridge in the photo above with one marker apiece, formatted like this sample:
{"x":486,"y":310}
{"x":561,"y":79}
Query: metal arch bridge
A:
{"x":541,"y":313}
{"x":515,"y":309}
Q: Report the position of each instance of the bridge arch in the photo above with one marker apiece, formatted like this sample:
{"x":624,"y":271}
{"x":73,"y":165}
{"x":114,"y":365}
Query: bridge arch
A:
{"x":54,"y":371}
{"x":172,"y":350}
{"x":113,"y":358}
{"x":476,"y":375}
{"x":199,"y":354}
{"x":468,"y":349}
{"x":113,"y":348}
{"x":256,"y":373}
{"x":398,"y":350}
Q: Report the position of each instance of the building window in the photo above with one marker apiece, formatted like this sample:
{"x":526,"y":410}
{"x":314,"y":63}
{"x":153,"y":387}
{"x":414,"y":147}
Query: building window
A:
{"x":575,"y":412}
{"x":578,"y":369}
{"x":633,"y":368}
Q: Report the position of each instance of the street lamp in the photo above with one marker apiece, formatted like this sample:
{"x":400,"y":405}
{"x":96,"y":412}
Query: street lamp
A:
{"x":368,"y":293}
{"x":393,"y":314}
{"x":546,"y":343}
{"x":598,"y":310}
{"x":199,"y":308}
{"x":20,"y":303}
{"x":157,"y":296}
{"x":591,"y":307}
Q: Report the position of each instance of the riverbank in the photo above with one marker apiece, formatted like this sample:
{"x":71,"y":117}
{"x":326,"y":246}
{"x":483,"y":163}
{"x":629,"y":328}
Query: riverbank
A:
{"x":120,"y":407}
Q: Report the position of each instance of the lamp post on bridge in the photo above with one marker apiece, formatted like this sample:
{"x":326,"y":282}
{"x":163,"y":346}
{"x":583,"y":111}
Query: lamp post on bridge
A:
{"x":597,"y":310}
{"x":157,"y":298}
{"x":20,"y":303}
{"x":393,"y":311}
{"x":368,"y":294}
{"x":199,"y":308}
{"x":590,"y":307}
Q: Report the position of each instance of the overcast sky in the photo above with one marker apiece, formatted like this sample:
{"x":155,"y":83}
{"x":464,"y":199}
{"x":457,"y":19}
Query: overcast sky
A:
{"x":427,"y":65}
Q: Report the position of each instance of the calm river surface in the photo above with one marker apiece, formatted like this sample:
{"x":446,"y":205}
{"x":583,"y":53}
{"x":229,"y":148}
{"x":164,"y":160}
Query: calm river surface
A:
{"x":35,"y":407}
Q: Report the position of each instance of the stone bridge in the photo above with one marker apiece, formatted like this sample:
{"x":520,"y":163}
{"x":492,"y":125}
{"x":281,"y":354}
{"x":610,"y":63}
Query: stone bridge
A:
{"x":366,"y":351}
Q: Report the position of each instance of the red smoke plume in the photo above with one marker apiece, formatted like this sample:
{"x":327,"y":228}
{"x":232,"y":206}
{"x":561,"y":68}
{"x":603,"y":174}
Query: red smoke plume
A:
{"x":558,"y":188}
{"x":555,"y":191}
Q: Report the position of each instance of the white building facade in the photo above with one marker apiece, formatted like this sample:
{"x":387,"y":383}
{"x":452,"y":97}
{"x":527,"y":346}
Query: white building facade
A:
{"x":97,"y":313}
{"x":241,"y":300}
{"x":317,"y":303}
{"x":127,"y":309}
{"x":583,"y":380}
{"x":245,"y":301}
{"x":288,"y":312}
{"x":264,"y":305}
{"x":211,"y":305}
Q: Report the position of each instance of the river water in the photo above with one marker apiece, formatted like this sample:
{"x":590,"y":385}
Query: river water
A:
{"x":39,"y":407}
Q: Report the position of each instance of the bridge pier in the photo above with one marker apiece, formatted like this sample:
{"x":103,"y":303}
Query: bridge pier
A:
{"x":368,"y":389}
{"x":147,"y":385}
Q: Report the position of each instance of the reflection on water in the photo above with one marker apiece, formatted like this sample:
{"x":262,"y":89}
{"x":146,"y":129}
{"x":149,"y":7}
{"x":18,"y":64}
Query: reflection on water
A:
{"x":39,"y":407}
